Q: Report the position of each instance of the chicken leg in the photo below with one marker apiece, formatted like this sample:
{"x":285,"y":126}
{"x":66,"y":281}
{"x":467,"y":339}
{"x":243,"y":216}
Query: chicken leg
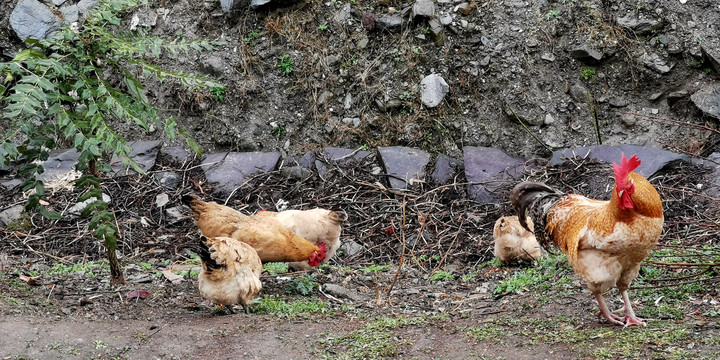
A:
{"x":630,"y":318}
{"x":605,"y":312}
{"x":247,"y":310}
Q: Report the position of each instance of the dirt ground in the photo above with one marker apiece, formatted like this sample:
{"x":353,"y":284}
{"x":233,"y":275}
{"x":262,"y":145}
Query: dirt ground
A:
{"x":172,"y":323}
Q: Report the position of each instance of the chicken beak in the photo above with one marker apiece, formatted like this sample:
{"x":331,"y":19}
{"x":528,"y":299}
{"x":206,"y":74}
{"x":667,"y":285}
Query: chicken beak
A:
{"x":620,"y":193}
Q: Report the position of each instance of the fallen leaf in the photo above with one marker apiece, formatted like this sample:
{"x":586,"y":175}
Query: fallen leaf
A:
{"x":29,"y":280}
{"x":172,"y":277}
{"x":135,"y":294}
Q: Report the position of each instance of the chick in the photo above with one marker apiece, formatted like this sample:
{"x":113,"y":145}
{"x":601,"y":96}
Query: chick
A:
{"x":513,"y":243}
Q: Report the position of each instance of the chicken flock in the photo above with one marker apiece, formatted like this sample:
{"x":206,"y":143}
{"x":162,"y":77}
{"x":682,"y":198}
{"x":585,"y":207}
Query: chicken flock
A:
{"x":605,"y":241}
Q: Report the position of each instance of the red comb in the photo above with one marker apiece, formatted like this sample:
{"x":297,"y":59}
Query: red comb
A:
{"x":625,"y":167}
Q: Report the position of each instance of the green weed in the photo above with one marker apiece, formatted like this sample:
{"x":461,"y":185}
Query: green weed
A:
{"x":275,"y":268}
{"x":538,"y":277}
{"x":285,"y":64}
{"x":90,"y":268}
{"x":552,"y":14}
{"x":218,"y":93}
{"x":442,"y":276}
{"x":374,"y":268}
{"x":588,"y":72}
{"x":303,"y":285}
{"x":251,"y":37}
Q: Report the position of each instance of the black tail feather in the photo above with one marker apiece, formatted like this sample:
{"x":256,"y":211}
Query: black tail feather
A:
{"x":204,"y":252}
{"x":524,"y":195}
{"x":187,"y":199}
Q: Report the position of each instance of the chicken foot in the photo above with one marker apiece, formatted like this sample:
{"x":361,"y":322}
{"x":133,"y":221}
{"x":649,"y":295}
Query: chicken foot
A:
{"x":605,"y":312}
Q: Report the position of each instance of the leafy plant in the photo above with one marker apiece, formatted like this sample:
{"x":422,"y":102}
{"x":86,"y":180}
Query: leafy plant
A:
{"x":218,"y":93}
{"x":374,"y":268}
{"x":552,"y":14}
{"x":279,"y":131}
{"x":303,"y":285}
{"x":538,"y":277}
{"x":323,"y":26}
{"x":442,"y":276}
{"x":588,"y":72}
{"x":251,"y":36}
{"x":72,"y":89}
{"x":274,"y":304}
{"x":275,"y":268}
{"x":285,"y":64}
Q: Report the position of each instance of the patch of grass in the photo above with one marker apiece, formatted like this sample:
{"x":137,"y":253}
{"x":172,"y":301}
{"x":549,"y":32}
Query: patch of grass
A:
{"x":662,"y":339}
{"x":10,"y":300}
{"x":663,"y":311}
{"x":140,"y":336}
{"x":298,"y":307}
{"x":90,"y":268}
{"x":374,"y":268}
{"x":588,"y":72}
{"x":374,"y":341}
{"x":218,"y":93}
{"x":303,"y":285}
{"x":279,"y":131}
{"x":275,"y":268}
{"x":675,"y":295}
{"x":442,"y":276}
{"x":285,"y":64}
{"x":494,"y":263}
{"x":550,"y":270}
{"x":251,"y":37}
{"x":485,"y":332}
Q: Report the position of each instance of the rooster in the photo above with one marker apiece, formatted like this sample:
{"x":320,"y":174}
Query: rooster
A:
{"x":266,"y":234}
{"x":605,"y":241}
{"x":230,"y":272}
{"x":319,"y":226}
{"x":513,"y":242}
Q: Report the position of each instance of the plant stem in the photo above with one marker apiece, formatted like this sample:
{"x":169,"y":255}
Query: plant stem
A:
{"x":528,"y":130}
{"x":593,"y":111}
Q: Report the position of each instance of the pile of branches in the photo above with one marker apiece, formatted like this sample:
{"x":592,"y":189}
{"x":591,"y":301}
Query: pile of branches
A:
{"x":431,"y":225}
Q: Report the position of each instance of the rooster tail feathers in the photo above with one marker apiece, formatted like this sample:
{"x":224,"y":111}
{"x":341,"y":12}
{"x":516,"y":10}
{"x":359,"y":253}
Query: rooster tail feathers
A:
{"x":533,"y":200}
{"x":524,"y":195}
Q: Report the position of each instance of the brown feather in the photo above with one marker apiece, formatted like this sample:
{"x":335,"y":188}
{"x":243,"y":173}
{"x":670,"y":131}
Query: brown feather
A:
{"x":315,"y":225}
{"x":266,"y":235}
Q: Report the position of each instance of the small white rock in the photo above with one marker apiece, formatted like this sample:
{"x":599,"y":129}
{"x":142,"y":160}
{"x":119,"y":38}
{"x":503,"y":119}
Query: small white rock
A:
{"x":162,"y":200}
